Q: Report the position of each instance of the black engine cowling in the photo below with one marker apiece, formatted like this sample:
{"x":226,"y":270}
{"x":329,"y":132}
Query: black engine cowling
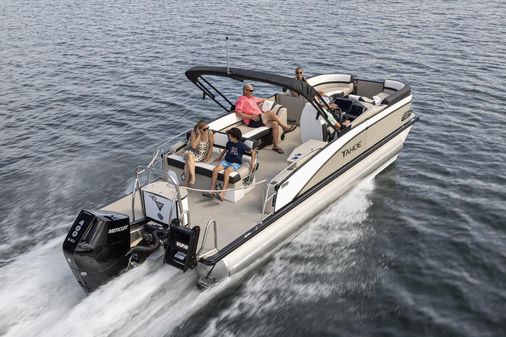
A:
{"x":96,"y":247}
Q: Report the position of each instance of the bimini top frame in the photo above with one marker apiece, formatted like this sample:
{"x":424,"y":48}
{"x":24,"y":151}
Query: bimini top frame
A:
{"x":196,"y":75}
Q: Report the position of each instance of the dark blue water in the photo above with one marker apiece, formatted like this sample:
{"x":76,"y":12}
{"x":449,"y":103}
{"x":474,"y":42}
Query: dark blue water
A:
{"x":89,"y":88}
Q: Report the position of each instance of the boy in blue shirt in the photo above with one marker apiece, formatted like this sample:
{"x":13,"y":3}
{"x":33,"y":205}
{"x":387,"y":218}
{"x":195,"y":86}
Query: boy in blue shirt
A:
{"x":233,"y":152}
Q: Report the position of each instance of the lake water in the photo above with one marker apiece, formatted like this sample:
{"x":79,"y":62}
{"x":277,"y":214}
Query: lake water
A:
{"x":88,"y":88}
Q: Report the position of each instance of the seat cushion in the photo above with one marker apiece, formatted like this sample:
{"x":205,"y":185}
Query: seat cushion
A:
{"x":254,"y":133}
{"x":206,"y":169}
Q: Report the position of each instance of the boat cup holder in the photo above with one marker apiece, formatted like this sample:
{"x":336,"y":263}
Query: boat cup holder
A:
{"x":296,"y":156}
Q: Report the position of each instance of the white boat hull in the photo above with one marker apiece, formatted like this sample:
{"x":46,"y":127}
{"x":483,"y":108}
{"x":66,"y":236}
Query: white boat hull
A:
{"x":265,"y":243}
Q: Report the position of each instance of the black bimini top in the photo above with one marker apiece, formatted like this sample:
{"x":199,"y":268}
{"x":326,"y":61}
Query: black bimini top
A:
{"x":302,"y":88}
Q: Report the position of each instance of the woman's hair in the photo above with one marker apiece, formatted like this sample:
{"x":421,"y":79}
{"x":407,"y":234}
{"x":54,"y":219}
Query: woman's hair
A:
{"x":199,"y":124}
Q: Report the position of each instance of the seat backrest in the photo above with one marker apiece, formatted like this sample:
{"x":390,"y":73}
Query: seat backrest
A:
{"x":330,"y":78}
{"x":221,"y":139}
{"x":294,"y":106}
{"x":332,"y":84}
{"x":230,"y":119}
{"x":224,"y":121}
{"x":367,"y":88}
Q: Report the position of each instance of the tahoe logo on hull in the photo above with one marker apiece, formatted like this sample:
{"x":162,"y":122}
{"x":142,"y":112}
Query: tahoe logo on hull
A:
{"x":352,"y":148}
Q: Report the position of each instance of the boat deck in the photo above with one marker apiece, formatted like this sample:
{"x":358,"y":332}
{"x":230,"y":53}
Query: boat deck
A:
{"x":234,"y":219}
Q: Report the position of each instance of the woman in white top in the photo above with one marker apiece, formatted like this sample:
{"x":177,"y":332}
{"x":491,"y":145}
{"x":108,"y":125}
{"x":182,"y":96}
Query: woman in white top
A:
{"x":199,"y":149}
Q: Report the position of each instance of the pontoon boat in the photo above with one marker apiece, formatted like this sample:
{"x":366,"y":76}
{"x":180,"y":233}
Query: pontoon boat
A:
{"x":161,"y":219}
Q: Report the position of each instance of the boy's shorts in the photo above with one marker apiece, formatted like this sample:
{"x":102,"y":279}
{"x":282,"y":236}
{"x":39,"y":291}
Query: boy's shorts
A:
{"x":225,"y":164}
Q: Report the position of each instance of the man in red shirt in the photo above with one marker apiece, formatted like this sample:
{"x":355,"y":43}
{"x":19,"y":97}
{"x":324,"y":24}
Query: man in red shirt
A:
{"x":247,"y":108}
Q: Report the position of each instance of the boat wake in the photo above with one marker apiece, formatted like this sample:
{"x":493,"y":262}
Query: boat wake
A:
{"x":45,"y":299}
{"x":318,"y":264}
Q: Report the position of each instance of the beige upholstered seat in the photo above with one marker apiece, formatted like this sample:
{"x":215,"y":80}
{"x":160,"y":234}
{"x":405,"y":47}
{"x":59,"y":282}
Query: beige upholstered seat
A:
{"x":294,"y":106}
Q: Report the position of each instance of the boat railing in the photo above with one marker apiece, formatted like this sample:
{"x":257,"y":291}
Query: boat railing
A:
{"x":271,"y":190}
{"x":152,"y":175}
{"x":165,"y":147}
{"x":206,"y":231}
{"x":187,"y":213}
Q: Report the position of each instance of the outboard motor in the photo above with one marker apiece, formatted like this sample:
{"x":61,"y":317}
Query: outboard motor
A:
{"x":96,"y":247}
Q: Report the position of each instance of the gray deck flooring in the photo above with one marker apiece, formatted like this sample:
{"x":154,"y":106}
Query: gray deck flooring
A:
{"x":233,"y":219}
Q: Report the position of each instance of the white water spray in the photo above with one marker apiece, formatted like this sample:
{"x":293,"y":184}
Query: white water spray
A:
{"x":44,"y":299}
{"x":331,"y":233}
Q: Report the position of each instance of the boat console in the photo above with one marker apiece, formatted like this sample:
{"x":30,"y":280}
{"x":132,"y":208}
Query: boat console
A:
{"x":351,"y":108}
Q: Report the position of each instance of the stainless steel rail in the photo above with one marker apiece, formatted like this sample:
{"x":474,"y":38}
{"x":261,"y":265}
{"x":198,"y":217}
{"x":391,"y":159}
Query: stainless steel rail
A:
{"x":136,"y":187}
{"x":274,"y":181}
{"x":204,"y":239}
{"x":187,"y":212}
{"x":139,"y":170}
{"x":161,"y":148}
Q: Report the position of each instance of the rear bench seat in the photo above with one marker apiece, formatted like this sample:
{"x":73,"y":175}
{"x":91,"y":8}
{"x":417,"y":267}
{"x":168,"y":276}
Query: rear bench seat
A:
{"x":204,"y":171}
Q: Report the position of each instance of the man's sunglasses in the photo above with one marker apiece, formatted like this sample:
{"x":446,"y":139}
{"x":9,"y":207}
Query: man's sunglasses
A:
{"x":250,"y":90}
{"x":299,"y":72}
